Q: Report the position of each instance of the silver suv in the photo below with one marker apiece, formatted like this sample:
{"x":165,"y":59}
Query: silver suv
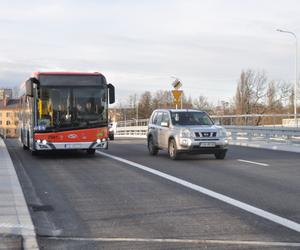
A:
{"x":185,"y":131}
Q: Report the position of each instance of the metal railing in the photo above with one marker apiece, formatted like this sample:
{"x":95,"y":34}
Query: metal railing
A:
{"x":268,"y":133}
{"x":132,"y":130}
{"x":131,"y":123}
{"x":283,"y":120}
{"x":276,"y":120}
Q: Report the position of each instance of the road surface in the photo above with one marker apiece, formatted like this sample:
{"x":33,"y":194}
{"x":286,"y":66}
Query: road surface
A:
{"x":79,"y":201}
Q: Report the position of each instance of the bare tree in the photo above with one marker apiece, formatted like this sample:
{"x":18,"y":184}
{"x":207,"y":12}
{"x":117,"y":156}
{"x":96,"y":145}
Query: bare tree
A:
{"x":162,"y":99}
{"x":272,"y":99}
{"x":133,"y":104}
{"x":145,"y":105}
{"x":277,"y":96}
{"x":251,"y":93}
{"x":187,"y":103}
{"x":254,"y":95}
{"x":202,"y":103}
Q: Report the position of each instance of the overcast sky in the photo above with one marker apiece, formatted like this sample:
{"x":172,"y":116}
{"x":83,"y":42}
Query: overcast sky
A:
{"x":138,"y":45}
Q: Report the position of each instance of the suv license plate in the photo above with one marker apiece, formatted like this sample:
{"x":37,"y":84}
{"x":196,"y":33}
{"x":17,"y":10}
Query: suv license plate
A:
{"x":207,"y":144}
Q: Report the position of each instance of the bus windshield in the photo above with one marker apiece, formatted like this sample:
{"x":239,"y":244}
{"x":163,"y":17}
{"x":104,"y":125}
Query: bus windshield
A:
{"x":190,"y":118}
{"x":67,"y":107}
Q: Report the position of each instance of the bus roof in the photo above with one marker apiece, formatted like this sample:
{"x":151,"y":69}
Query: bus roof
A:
{"x":36,"y":74}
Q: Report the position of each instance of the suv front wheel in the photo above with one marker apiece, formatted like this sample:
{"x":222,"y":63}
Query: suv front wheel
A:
{"x":153,"y":150}
{"x":220,"y":155}
{"x":172,"y":149}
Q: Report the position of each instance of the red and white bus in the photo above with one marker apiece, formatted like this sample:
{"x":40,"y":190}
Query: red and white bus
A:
{"x":65,"y":110}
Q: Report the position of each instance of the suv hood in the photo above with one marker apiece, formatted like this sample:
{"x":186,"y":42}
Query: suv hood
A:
{"x":195,"y":128}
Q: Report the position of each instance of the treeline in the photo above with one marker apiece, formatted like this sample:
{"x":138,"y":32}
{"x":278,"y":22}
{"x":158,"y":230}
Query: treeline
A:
{"x":255,"y":94}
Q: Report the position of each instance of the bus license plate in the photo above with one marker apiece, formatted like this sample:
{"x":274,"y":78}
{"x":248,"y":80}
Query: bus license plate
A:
{"x":75,"y":146}
{"x":207,"y":144}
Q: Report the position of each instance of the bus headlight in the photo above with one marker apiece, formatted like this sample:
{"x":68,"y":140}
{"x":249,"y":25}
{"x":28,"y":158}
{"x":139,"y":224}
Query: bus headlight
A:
{"x":38,"y":141}
{"x":98,"y":141}
{"x":44,"y":142}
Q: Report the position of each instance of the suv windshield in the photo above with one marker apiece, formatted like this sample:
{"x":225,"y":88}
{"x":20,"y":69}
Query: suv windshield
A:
{"x":190,"y":118}
{"x":71,"y":107}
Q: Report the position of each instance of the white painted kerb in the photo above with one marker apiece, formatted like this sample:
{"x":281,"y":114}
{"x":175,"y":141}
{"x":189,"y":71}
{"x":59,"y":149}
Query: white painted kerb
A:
{"x":19,"y":221}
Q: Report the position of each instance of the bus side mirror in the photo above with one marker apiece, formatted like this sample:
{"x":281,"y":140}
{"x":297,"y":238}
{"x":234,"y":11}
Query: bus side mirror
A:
{"x":111,"y":93}
{"x":29,"y":85}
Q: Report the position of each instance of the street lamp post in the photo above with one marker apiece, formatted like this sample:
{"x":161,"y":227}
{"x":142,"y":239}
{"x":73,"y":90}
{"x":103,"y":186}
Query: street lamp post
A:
{"x":296,"y":73}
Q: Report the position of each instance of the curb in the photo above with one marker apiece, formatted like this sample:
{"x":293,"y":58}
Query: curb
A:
{"x":15,"y":221}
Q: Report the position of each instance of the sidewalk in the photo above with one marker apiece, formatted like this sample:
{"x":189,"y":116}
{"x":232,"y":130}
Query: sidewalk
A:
{"x":16,"y":227}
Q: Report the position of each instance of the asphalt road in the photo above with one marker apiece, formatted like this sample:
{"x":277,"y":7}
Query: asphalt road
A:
{"x":79,"y":201}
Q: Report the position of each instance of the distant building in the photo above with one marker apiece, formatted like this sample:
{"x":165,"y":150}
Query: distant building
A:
{"x":5,"y":93}
{"x":9,"y":120}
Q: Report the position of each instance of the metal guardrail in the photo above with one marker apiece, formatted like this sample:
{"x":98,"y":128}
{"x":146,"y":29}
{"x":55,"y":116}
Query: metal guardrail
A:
{"x":268,"y":134}
{"x":239,"y":133}
{"x":131,"y":123}
{"x":132,"y":130}
{"x":283,"y":120}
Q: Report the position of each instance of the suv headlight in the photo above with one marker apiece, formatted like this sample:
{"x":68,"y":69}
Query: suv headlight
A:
{"x":185,"y":133}
{"x":222,"y":132}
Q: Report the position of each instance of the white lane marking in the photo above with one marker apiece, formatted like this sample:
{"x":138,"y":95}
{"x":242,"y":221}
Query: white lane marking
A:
{"x":244,"y":206}
{"x":227,"y":242}
{"x":254,"y":162}
{"x":126,"y":142}
{"x":8,"y":225}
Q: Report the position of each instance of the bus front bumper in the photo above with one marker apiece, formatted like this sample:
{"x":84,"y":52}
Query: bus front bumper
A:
{"x":70,"y":145}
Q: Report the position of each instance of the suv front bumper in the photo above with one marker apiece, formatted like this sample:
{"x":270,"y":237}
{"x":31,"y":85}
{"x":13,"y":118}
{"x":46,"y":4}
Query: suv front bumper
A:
{"x":189,"y":145}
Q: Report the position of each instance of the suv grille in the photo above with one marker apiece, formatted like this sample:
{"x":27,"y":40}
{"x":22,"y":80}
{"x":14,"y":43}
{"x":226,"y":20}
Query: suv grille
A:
{"x":206,"y":134}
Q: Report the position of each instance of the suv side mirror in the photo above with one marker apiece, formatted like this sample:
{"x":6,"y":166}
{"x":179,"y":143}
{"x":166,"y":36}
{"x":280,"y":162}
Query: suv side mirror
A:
{"x":111,"y":93}
{"x":217,"y":122}
{"x":29,"y":85}
{"x":164,"y":124}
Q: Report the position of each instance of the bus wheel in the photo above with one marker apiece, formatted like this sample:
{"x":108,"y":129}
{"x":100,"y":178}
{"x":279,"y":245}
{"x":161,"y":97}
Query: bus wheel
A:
{"x":91,"y":151}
